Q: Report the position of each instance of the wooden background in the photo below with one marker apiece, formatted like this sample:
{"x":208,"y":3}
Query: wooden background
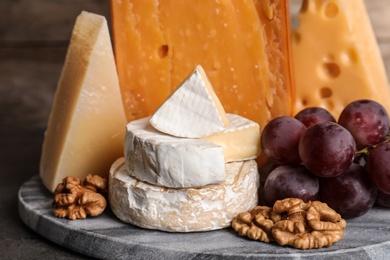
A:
{"x":34,"y":35}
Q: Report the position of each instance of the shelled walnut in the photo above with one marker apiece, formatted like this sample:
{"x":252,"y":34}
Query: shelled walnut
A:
{"x":76,"y":199}
{"x":292,"y":222}
{"x":256,"y":224}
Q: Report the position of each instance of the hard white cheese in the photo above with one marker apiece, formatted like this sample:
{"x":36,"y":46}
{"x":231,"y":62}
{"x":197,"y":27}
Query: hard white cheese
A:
{"x":183,"y":210}
{"x":86,"y":127}
{"x":162,"y":159}
{"x":193,"y":110}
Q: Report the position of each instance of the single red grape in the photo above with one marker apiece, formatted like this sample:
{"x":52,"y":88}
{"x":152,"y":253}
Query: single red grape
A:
{"x":280,"y":139}
{"x":327,"y":149}
{"x":313,"y":115}
{"x":378,"y":166}
{"x":351,"y":193}
{"x":367,"y":120}
{"x":290,"y":181}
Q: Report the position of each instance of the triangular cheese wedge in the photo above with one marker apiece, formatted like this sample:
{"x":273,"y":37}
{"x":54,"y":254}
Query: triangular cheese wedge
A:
{"x":86,"y":127}
{"x":193,"y":110}
{"x":336,"y":57}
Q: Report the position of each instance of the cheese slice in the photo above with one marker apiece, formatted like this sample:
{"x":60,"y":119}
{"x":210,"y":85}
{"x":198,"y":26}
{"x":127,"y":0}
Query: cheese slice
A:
{"x":193,"y":110}
{"x":183,"y":210}
{"x":336,"y":57}
{"x":170,"y":161}
{"x":86,"y":127}
{"x":243,"y":46}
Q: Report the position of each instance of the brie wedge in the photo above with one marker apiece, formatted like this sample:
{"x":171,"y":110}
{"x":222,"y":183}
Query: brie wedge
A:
{"x":193,"y":110}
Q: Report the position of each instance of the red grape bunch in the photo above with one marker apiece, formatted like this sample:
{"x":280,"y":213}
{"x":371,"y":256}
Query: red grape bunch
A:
{"x":345,"y":164}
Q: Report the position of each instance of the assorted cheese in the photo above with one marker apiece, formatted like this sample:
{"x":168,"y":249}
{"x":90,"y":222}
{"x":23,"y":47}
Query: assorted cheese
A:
{"x":167,"y":182}
{"x":336,"y":56}
{"x":193,"y":110}
{"x":181,"y":184}
{"x":243,"y":46}
{"x":87,"y":123}
{"x":190,"y":166}
{"x":183,"y":210}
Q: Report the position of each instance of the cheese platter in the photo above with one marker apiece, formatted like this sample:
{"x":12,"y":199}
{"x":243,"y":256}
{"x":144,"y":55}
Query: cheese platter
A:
{"x":189,"y":184}
{"x":106,"y":237}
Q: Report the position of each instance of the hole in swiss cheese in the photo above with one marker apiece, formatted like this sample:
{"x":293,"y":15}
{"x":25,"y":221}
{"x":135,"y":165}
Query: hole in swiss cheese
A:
{"x":326,"y":92}
{"x":162,"y":51}
{"x":332,"y":69}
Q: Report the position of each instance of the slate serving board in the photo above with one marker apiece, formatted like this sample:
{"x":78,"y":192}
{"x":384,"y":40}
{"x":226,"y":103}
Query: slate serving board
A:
{"x":106,"y":237}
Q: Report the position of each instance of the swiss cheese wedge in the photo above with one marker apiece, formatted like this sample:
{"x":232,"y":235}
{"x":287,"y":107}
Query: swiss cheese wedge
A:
{"x":336,"y":56}
{"x":87,"y":123}
{"x":243,"y":47}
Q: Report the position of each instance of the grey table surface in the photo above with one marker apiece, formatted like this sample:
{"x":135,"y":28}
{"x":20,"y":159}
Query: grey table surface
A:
{"x":33,"y":39}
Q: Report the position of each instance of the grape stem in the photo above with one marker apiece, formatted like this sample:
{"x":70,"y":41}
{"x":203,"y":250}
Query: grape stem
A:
{"x":363,"y":153}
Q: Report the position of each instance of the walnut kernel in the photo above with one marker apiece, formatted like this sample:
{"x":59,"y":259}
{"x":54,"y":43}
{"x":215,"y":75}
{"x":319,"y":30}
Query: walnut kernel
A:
{"x":76,"y":199}
{"x":292,"y":222}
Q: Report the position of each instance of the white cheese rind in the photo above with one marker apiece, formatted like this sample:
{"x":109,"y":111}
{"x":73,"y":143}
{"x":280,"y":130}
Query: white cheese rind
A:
{"x":86,"y":126}
{"x":169,"y":161}
{"x":183,"y":210}
{"x":193,"y":110}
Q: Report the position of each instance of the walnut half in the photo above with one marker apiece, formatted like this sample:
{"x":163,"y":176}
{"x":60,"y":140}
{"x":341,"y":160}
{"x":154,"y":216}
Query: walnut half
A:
{"x":317,"y":226}
{"x":75,"y":199}
{"x":256,"y":224}
{"x":292,"y":222}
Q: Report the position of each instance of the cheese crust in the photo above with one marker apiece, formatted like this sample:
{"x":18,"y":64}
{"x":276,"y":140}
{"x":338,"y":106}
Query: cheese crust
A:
{"x":183,"y":210}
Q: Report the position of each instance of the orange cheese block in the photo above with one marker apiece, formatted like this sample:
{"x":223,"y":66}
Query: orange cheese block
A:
{"x":336,"y":56}
{"x":243,"y":46}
